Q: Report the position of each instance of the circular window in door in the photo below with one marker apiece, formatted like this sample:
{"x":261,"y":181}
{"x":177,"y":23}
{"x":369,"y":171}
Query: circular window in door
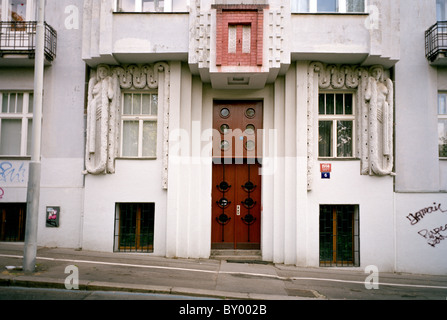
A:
{"x":250,"y":129}
{"x":223,"y":203}
{"x":224,"y":145}
{"x":224,"y":128}
{"x":250,"y":113}
{"x":250,"y":145}
{"x":225,"y":113}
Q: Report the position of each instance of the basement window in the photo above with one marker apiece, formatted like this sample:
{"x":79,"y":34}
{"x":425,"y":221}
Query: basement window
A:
{"x":339,"y":236}
{"x":12,"y":223}
{"x":134,"y":227}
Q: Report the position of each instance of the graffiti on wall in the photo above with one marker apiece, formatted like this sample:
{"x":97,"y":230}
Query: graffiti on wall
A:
{"x":435,"y":235}
{"x":2,"y":193}
{"x":12,"y":172}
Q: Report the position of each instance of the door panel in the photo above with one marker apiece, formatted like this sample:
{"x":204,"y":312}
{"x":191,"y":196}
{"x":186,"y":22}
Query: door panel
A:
{"x":236,"y":219}
{"x":236,"y":195}
{"x":236,"y":132}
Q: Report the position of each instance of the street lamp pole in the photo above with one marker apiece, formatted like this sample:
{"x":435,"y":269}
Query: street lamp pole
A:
{"x":33,"y":191}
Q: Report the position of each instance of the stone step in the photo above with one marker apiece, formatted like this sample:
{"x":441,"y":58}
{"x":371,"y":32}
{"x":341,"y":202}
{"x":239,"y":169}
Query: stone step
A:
{"x":229,"y":252}
{"x":247,"y":256}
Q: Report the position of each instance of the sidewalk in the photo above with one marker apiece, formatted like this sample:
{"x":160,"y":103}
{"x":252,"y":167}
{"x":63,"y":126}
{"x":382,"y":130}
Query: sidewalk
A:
{"x":192,"y":277}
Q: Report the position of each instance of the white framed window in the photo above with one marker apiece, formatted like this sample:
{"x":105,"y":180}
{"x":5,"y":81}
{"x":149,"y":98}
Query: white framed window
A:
{"x":336,"y":125}
{"x":143,"y":5}
{"x":335,"y":6}
{"x":442,"y":125}
{"x":16,"y":118}
{"x":17,"y":10}
{"x":139,"y":125}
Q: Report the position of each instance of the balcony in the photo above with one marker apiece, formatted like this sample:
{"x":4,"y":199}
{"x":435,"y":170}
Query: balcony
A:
{"x":18,"y":40}
{"x":436,"y":43}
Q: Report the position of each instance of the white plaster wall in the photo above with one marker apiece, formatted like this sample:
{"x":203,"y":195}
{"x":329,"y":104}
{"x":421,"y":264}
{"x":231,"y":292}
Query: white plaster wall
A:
{"x":136,"y":181}
{"x":114,"y":38}
{"x":63,"y":128}
{"x":61,"y":186}
{"x":329,"y":34}
{"x":414,"y":252}
{"x":188,"y":232}
{"x":62,"y":131}
{"x":373,"y":195}
{"x":172,"y":38}
{"x":368,"y":39}
{"x":417,"y":165}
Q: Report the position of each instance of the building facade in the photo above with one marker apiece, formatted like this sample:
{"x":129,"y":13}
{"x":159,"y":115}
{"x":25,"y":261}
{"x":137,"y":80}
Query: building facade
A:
{"x":311,"y":131}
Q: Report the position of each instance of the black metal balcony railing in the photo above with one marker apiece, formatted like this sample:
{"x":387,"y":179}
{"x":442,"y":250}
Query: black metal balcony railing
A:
{"x":436,"y":40}
{"x":20,"y":38}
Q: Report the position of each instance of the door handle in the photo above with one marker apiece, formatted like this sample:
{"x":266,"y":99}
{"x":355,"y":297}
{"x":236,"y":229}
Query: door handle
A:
{"x":238,"y":210}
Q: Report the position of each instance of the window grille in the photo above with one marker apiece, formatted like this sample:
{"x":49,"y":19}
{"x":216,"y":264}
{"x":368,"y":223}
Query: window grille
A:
{"x":134,"y":227}
{"x":339,"y":236}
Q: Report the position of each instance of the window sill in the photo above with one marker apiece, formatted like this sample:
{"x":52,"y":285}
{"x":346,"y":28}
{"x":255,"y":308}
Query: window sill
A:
{"x":338,"y":159}
{"x":153,"y":12}
{"x":15,"y":158}
{"x":136,"y":158}
{"x":332,"y":13}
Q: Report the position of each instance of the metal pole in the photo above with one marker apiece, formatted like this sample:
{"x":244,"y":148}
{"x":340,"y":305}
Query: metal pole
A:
{"x":33,"y":191}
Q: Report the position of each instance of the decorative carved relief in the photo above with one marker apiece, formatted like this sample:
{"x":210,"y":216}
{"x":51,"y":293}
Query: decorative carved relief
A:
{"x":103,"y":112}
{"x":103,"y":105}
{"x":200,"y":45}
{"x":374,"y":112}
{"x":379,"y":101}
{"x":276,"y":36}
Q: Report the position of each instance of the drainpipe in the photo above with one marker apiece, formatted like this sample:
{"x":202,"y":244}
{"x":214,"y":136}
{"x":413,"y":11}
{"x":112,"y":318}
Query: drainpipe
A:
{"x":33,"y":191}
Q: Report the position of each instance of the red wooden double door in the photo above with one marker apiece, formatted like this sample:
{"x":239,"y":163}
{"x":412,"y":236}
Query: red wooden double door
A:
{"x":236,"y":194}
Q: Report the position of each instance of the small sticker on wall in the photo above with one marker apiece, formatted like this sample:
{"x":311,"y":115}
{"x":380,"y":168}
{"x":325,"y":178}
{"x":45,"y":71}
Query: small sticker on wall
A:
{"x":325,"y":175}
{"x":53,"y":214}
{"x":325,"y":167}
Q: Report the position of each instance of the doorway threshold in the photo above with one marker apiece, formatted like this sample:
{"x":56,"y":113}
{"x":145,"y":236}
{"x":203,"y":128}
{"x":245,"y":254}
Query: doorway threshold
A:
{"x":238,"y":256}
